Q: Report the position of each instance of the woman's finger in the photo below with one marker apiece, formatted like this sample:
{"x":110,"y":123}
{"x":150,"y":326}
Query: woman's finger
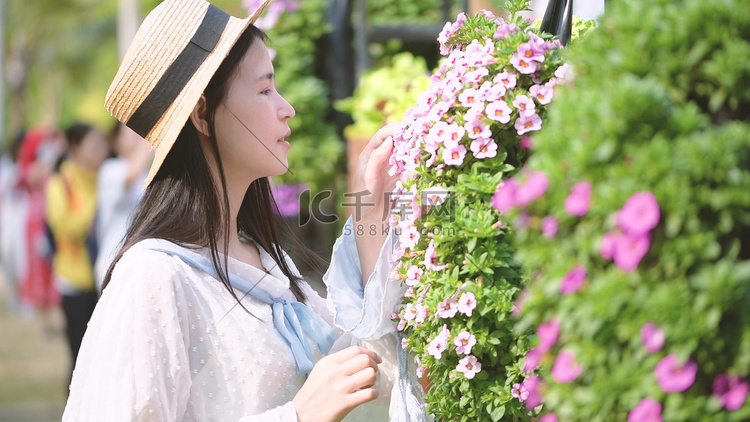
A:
{"x":362,"y":379}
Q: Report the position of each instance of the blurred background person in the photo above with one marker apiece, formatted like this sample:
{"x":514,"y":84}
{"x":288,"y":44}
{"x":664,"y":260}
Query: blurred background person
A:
{"x":13,"y":202}
{"x":40,"y":149}
{"x":119,"y":189}
{"x":71,"y":211}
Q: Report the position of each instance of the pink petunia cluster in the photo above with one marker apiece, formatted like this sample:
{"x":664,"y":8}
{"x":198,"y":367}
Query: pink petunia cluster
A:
{"x":627,"y":245}
{"x":511,"y":193}
{"x":647,"y":410}
{"x":731,"y":391}
{"x":674,"y":376}
{"x":547,"y":333}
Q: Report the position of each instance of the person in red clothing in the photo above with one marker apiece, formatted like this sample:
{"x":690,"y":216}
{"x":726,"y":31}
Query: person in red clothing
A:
{"x":40,"y":149}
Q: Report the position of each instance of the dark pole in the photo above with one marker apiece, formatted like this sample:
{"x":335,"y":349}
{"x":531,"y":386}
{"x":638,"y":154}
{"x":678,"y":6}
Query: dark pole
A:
{"x":558,"y":19}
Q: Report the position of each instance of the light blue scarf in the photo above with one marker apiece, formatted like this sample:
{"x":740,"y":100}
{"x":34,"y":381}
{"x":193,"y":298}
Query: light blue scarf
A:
{"x":292,"y":319}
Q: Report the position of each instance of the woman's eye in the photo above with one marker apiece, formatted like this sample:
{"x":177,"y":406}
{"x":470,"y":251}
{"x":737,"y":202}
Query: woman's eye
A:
{"x":266,"y":91}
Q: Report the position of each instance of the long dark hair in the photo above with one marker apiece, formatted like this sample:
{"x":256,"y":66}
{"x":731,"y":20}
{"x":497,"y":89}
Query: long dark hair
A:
{"x":183,"y":206}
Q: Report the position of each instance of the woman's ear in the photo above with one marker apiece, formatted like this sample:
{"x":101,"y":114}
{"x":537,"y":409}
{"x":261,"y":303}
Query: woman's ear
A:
{"x":198,"y":117}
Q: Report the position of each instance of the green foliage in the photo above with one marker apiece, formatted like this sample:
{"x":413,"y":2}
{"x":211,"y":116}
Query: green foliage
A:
{"x":384,"y":94}
{"x":316,"y":149}
{"x":659,"y":102}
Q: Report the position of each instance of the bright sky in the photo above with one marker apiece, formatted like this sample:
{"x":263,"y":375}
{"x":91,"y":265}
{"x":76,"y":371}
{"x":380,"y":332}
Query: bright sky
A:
{"x":586,"y":9}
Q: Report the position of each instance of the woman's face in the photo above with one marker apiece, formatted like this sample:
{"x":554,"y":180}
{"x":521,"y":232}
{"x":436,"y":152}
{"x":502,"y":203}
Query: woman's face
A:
{"x":251,"y":123}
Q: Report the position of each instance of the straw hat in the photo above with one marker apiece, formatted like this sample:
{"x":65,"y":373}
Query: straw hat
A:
{"x":172,"y":58}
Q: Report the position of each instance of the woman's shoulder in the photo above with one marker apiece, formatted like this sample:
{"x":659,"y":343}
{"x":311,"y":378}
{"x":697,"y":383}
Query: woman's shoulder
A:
{"x":143,"y":265}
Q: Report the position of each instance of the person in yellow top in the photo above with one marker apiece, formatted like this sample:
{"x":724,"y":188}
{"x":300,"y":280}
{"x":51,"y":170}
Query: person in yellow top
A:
{"x":70,"y":214}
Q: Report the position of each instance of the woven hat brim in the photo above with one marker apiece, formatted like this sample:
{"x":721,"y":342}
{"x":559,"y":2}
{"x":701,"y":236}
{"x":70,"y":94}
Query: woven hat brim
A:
{"x":124,"y":93}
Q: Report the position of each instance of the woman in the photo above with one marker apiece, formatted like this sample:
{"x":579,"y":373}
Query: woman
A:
{"x":70,"y":212}
{"x":203,"y":316}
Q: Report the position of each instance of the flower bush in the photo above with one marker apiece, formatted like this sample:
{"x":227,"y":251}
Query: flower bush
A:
{"x":463,"y":137}
{"x":635,"y":232}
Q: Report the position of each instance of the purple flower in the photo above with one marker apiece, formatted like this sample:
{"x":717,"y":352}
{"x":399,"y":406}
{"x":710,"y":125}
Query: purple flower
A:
{"x":609,"y":242}
{"x":466,"y":303}
{"x":526,"y":123}
{"x":639,"y":215}
{"x":629,"y":250}
{"x":483,"y":148}
{"x":504,"y":198}
{"x":549,"y":417}
{"x":532,"y":189}
{"x":647,"y":410}
{"x":547,"y":334}
{"x":464,"y":341}
{"x":579,"y":200}
{"x":469,"y":366}
{"x":286,"y":197}
{"x":526,"y":142}
{"x":534,"y":386}
{"x":519,"y":392}
{"x":499,"y":111}
{"x":550,"y":226}
{"x":454,"y":156}
{"x":565,"y":369}
{"x":533,"y":359}
{"x":447,"y":308}
{"x":731,"y":391}
{"x":573,"y":280}
{"x":674,"y":377}
{"x":652,"y":337}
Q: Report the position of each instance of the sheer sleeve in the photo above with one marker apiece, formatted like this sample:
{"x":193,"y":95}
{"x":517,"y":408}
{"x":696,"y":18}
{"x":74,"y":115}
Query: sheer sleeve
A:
{"x":364,"y":312}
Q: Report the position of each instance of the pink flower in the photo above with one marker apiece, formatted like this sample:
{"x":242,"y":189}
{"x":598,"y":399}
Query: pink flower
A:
{"x":466,"y":303}
{"x":508,"y":79}
{"x":629,"y":250}
{"x":420,"y":368}
{"x":430,"y":255}
{"x":565,"y":370}
{"x":523,"y":65}
{"x":524,"y":105}
{"x":731,"y":391}
{"x":434,"y":196}
{"x":608,"y":244}
{"x":495,"y":91}
{"x":534,"y":386}
{"x":422,"y":313}
{"x":647,"y":410}
{"x":526,"y":142}
{"x":532,"y":189}
{"x":447,"y":308}
{"x":483,"y":148}
{"x":526,"y":123}
{"x":533,"y":359}
{"x":409,"y":237}
{"x":409,"y":312}
{"x":530,"y":51}
{"x":437,"y":345}
{"x":674,"y":377}
{"x":504,"y":198}
{"x":579,"y":200}
{"x":469,"y":97}
{"x":518,"y":305}
{"x":542,"y":93}
{"x":477,"y":129}
{"x":652,"y":337}
{"x":573,"y":280}
{"x":454,"y":156}
{"x":454,"y":133}
{"x":469,"y":366}
{"x":549,"y":417}
{"x":547,"y":334}
{"x":464,"y":341}
{"x":413,"y":274}
{"x":519,"y":392}
{"x":550,"y":226}
{"x":639,"y":215}
{"x":499,"y":111}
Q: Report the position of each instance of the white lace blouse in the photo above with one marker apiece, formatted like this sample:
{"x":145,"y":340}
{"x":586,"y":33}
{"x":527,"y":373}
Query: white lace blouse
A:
{"x":168,"y":342}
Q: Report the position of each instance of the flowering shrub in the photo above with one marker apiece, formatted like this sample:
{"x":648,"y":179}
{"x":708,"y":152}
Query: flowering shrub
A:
{"x":633,"y":221}
{"x":462,"y":138}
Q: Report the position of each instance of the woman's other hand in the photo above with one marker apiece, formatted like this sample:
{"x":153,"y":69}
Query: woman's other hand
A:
{"x":337,"y":384}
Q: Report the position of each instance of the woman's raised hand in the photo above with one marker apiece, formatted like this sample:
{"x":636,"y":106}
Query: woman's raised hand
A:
{"x":337,"y":384}
{"x":372,"y":177}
